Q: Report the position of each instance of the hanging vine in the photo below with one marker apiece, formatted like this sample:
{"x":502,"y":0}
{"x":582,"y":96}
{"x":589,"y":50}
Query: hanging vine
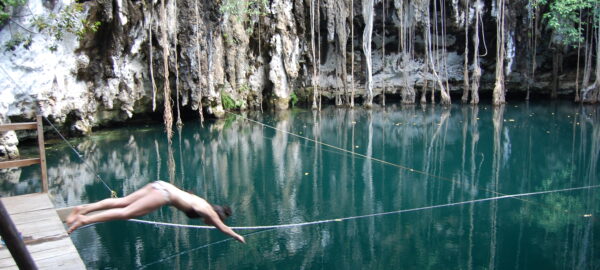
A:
{"x":352,"y":52}
{"x":367,"y":36}
{"x":168,"y":113}
{"x":476,"y":66}
{"x":179,"y":123}
{"x":150,"y":56}
{"x":499,"y":90}
{"x":199,"y":60}
{"x":465,"y":95}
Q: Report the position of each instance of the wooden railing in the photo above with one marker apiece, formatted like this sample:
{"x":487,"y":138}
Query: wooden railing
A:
{"x":30,"y":161}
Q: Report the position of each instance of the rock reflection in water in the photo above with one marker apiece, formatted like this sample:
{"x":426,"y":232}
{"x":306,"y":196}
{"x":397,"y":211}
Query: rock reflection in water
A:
{"x":273,"y":177}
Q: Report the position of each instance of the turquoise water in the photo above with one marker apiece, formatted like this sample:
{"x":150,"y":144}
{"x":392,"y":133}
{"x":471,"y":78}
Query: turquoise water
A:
{"x":310,"y":166}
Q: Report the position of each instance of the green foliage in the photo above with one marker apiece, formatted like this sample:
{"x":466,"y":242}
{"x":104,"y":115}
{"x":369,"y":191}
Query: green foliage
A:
{"x":243,"y":10}
{"x":66,"y":21}
{"x":55,"y":25}
{"x":564,"y":17}
{"x":244,"y":88}
{"x":293,"y":99}
{"x":229,"y":103}
{"x":17,"y":40}
{"x":6,"y":6}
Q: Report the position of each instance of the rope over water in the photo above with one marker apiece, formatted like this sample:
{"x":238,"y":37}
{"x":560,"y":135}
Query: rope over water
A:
{"x":361,"y":155}
{"x":362,"y":216}
{"x":113,"y":194}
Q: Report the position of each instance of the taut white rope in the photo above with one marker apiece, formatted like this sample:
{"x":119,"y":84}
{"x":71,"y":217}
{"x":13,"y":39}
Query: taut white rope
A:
{"x":362,"y":216}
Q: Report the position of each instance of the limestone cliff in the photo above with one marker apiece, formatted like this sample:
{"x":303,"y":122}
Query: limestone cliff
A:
{"x":288,"y":49}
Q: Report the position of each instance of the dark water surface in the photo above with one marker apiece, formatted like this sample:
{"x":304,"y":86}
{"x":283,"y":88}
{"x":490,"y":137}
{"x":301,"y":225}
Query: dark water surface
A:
{"x":421,"y":156}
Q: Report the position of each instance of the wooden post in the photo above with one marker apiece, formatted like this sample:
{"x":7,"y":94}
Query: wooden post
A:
{"x":14,"y":243}
{"x":40,"y":133}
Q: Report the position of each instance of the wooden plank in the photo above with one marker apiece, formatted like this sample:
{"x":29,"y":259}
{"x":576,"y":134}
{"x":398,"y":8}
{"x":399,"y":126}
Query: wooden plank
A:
{"x":42,"y":147}
{"x":16,"y":163}
{"x":43,"y":245}
{"x":8,"y":263}
{"x":64,"y":262}
{"x":41,"y":228}
{"x":18,"y":126}
{"x":61,"y":254}
{"x":26,"y":217}
{"x":27,"y":203}
{"x":43,"y":233}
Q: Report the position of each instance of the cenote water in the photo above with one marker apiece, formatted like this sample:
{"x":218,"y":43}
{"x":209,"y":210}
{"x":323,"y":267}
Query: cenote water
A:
{"x":306,"y":166}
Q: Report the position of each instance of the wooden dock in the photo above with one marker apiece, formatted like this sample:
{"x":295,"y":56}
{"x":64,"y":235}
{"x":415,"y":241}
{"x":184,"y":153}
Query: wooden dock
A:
{"x":42,"y":231}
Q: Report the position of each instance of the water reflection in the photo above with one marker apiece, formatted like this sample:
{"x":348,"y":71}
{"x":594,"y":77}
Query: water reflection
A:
{"x":273,"y":177}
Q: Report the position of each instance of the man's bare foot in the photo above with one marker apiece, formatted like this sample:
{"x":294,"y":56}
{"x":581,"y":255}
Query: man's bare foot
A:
{"x":77,"y":222}
{"x":74,"y":213}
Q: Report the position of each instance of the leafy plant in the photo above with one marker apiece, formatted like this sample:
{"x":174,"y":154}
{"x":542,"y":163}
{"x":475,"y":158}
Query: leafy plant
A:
{"x":564,"y":17}
{"x":245,"y":88}
{"x":67,"y":20}
{"x":242,"y":10}
{"x":17,"y":40}
{"x":293,"y":99}
{"x":229,"y":103}
{"x":6,"y":6}
{"x":55,"y":25}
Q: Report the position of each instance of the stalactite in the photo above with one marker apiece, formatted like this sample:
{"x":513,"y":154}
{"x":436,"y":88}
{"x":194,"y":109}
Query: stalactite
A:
{"x":150,"y":55}
{"x":499,"y":89}
{"x":342,"y":34}
{"x":319,"y":52}
{"x":425,"y":68}
{"x":445,"y":98}
{"x":209,"y":48}
{"x":352,"y":52}
{"x":405,"y":49}
{"x":179,"y":123}
{"x":314,"y":56}
{"x":199,"y":60}
{"x":168,"y":113}
{"x":476,"y":67}
{"x":465,"y":95}
{"x":587,"y":61}
{"x":383,"y":52}
{"x":367,"y":13}
{"x":596,"y":90}
{"x":532,"y":43}
{"x":577,"y":98}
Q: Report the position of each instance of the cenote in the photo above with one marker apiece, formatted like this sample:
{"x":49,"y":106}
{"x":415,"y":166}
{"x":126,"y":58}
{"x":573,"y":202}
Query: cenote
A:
{"x":301,"y":165}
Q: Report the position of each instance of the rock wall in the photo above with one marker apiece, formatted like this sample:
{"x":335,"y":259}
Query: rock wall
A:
{"x":218,"y":61}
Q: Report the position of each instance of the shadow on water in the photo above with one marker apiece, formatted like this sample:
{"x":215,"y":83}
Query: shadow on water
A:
{"x":437,"y":155}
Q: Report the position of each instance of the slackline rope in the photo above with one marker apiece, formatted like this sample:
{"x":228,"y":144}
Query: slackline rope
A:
{"x":344,"y":150}
{"x":362,"y":155}
{"x":113,"y":194}
{"x":269,"y":227}
{"x":363,"y":216}
{"x":197,"y":248}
